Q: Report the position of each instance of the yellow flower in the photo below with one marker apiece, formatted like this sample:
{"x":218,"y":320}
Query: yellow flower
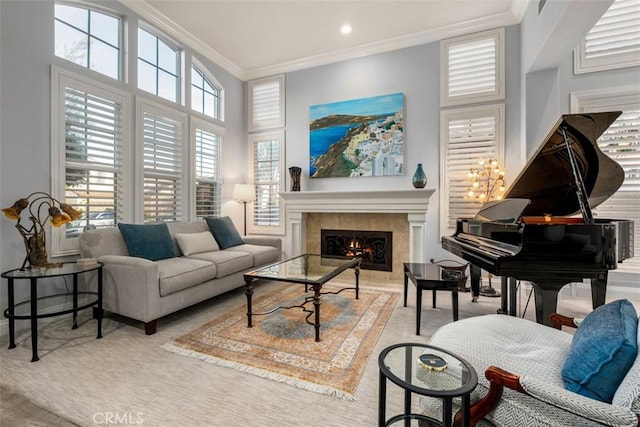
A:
{"x":57,"y":217}
{"x":73,"y":213}
{"x":14,"y":211}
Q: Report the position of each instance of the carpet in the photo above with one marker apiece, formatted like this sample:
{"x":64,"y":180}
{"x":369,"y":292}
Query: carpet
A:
{"x":281,"y":346}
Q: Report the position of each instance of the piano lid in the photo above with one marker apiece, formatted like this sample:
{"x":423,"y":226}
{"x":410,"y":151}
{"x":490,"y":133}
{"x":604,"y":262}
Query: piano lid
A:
{"x":547,"y":179}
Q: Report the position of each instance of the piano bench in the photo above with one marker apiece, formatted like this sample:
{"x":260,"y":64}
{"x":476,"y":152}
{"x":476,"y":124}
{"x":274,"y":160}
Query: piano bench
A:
{"x":431,"y":277}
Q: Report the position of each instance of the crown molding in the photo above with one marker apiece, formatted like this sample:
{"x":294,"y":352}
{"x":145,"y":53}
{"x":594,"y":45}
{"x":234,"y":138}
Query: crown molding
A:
{"x":162,"y":22}
{"x":395,"y":43}
{"x":152,"y":16}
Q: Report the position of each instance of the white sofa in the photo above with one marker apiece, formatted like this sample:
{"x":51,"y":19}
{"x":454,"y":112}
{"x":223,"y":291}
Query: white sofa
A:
{"x":519,"y":365}
{"x":147,"y":290}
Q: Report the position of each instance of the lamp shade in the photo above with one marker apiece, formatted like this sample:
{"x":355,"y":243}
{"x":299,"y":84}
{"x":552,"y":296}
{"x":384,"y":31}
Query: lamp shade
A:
{"x":244,"y":192}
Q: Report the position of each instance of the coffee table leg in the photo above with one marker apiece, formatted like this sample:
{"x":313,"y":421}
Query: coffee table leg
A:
{"x":406,"y":285}
{"x":357,"y":273}
{"x":418,"y":308}
{"x":316,"y":309}
{"x":446,"y":411}
{"x":248,"y":291}
{"x":382,"y":400}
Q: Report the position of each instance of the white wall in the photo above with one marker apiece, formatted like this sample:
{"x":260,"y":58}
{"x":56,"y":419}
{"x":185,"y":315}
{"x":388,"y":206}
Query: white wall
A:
{"x":27,"y":52}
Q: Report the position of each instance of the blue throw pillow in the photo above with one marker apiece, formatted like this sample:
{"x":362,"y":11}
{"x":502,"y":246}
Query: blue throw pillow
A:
{"x":225,"y":232}
{"x":602,"y":351}
{"x":150,"y":241}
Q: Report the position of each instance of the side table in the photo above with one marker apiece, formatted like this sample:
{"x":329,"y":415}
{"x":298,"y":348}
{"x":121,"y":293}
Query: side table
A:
{"x":399,"y":363}
{"x":431,"y":277}
{"x":14,"y":311}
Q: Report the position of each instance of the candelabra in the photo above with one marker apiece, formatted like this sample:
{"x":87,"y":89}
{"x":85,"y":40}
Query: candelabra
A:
{"x":486,"y":182}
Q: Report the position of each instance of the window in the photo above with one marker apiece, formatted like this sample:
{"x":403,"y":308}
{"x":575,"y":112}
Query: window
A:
{"x":208,"y":178}
{"x":205,"y":95}
{"x":613,"y":42}
{"x":266,"y":103}
{"x":161,"y":131}
{"x":89,"y":133}
{"x":267,"y":155}
{"x":88,"y":38}
{"x":621,"y":142}
{"x":473,"y":68}
{"x":469,"y":135}
{"x":266,"y":147}
{"x":158,"y":64}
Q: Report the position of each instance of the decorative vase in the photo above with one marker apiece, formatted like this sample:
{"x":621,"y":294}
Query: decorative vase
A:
{"x":295,"y":172}
{"x":419,"y":178}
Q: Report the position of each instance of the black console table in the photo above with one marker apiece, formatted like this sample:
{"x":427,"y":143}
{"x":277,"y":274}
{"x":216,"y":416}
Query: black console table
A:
{"x":14,"y":311}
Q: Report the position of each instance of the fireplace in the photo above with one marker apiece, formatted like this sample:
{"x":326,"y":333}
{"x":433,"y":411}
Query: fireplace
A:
{"x":374,"y":247}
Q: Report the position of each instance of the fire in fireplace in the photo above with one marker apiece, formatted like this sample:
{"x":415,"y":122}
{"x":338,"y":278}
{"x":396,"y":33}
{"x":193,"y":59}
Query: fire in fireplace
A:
{"x":374,"y":247}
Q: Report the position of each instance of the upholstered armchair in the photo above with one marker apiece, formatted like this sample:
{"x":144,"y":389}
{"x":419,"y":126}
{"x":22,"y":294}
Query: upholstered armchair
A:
{"x":534,"y":375}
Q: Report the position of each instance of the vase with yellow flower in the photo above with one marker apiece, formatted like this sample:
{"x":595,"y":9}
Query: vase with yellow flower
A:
{"x":42,"y":208}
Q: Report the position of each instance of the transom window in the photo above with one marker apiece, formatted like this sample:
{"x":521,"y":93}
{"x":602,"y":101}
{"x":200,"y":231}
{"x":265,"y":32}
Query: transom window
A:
{"x":158,"y":64}
{"x":205,"y":96}
{"x":88,"y":38}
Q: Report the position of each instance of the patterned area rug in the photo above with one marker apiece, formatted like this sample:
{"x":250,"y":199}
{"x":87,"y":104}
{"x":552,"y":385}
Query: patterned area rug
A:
{"x":281,"y":345}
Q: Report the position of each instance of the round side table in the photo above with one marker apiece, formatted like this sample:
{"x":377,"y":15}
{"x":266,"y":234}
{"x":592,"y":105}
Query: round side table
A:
{"x":400,"y":364}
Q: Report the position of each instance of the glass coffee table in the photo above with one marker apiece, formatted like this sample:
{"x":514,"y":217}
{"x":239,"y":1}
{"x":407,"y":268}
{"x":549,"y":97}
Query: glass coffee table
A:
{"x":309,"y":270}
{"x":429,"y":371}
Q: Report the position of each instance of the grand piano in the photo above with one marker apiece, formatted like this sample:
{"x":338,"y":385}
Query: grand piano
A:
{"x":543,"y":231}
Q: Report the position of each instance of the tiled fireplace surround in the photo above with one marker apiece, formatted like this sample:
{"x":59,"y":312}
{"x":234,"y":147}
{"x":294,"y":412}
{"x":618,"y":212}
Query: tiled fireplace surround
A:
{"x":402,"y":212}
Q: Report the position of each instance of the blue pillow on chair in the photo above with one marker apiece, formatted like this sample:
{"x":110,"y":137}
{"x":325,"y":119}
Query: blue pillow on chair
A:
{"x":225,"y":232}
{"x":602,"y":351}
{"x":150,"y":241}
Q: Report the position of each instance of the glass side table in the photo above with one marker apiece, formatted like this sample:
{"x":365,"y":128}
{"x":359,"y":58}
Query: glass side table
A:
{"x":28,"y":310}
{"x":440,"y":374}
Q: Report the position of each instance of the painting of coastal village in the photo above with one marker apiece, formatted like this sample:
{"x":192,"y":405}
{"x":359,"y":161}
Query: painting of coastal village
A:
{"x":359,"y":137}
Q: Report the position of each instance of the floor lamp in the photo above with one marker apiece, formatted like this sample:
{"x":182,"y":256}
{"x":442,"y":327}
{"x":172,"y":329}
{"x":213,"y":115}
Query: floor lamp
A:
{"x":244,"y":193}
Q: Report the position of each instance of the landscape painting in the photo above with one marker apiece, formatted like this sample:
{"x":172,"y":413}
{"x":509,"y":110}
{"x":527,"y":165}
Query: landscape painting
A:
{"x":359,"y":137}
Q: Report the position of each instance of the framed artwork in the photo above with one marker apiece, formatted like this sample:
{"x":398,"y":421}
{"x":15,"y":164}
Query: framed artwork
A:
{"x":358,"y":137}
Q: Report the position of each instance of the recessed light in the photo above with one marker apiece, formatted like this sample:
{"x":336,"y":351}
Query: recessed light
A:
{"x":345,"y":29}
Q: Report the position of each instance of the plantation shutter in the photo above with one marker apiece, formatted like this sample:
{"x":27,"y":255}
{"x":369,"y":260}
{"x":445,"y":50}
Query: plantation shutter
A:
{"x":208,"y":177}
{"x":473,"y":68}
{"x":621,"y":142}
{"x":162,"y":158}
{"x":93,"y":153}
{"x":471,"y":136}
{"x":266,"y":103}
{"x":266,"y":178}
{"x":614,"y":41}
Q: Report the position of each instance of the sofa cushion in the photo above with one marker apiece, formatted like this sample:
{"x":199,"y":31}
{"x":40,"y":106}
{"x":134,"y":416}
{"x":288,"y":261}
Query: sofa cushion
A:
{"x":181,"y":273}
{"x":225,"y":232}
{"x":150,"y":241}
{"x":195,"y":243}
{"x":261,"y":254}
{"x":602,"y":351}
{"x":227,"y":262}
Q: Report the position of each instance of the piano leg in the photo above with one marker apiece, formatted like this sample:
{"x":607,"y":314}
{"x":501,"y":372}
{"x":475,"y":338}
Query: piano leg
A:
{"x":547,"y":299}
{"x":475,"y":282}
{"x":599,"y":289}
{"x":508,"y":296}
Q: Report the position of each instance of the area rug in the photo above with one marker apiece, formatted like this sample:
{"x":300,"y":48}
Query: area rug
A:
{"x":281,"y":345}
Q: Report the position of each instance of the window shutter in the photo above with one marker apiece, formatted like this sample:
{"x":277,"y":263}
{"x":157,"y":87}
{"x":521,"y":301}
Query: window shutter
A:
{"x":93,"y":152}
{"x":266,"y":177}
{"x":621,"y":142}
{"x":471,"y":135}
{"x":208,"y":187}
{"x":162,"y":159}
{"x":614,"y":41}
{"x":473,"y":68}
{"x":266,"y":103}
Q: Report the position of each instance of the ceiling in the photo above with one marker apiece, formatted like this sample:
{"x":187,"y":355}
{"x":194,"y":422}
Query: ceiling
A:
{"x":263,"y":37}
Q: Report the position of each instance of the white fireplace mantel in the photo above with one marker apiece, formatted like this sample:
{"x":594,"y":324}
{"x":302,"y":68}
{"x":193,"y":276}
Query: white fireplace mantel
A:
{"x":414,"y":203}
